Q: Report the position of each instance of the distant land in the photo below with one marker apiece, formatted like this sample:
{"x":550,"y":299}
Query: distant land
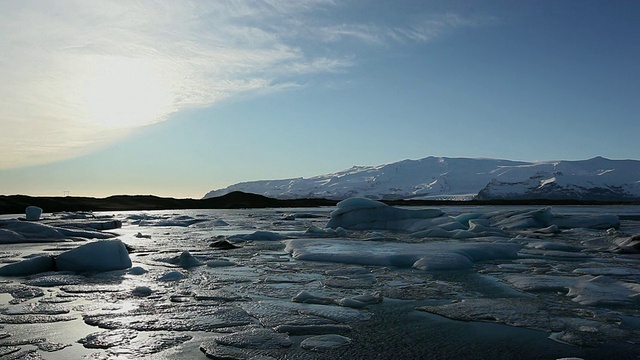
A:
{"x":16,"y":204}
{"x":443,"y":178}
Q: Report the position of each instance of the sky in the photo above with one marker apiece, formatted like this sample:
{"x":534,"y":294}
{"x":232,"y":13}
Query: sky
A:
{"x":177,"y":98}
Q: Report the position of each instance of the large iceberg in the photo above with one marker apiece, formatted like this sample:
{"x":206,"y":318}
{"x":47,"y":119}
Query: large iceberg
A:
{"x":366,"y":214}
{"x":363,"y":214}
{"x":98,"y":256}
{"x":442,"y":255}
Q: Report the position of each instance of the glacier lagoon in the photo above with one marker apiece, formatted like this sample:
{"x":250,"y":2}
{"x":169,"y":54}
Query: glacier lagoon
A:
{"x":381,"y":283}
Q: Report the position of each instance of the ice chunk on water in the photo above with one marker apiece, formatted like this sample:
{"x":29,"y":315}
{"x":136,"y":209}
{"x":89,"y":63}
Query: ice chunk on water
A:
{"x":172,"y":276}
{"x":441,"y":255}
{"x":605,"y":291}
{"x":260,"y":235}
{"x":255,"y":339}
{"x":105,"y":255}
{"x":360,"y":213}
{"x":17,"y":230}
{"x":31,"y":266}
{"x":33,"y":213}
{"x":185,"y":260}
{"x":324,"y":342}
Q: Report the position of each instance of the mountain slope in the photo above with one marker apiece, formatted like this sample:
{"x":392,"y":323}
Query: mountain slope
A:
{"x":462,"y":178}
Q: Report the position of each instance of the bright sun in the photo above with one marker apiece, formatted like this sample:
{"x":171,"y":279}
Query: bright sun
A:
{"x":121,"y":92}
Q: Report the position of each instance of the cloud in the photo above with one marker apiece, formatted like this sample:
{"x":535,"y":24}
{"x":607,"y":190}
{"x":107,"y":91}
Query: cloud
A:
{"x":77,"y":75}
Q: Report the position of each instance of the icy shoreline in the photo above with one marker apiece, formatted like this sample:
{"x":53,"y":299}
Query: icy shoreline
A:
{"x":233,"y":283}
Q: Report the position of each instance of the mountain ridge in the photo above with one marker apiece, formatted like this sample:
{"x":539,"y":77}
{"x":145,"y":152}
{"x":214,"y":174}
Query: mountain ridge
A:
{"x":444,"y":178}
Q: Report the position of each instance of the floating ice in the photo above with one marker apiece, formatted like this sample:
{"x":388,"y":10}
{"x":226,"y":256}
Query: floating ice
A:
{"x":324,"y":342}
{"x":172,"y":276}
{"x":307,"y":298}
{"x":142,"y":291}
{"x":523,"y":312}
{"x":33,"y":213}
{"x":444,"y":255}
{"x":318,"y":232}
{"x":629,"y":245}
{"x":255,"y":339}
{"x":104,"y":255}
{"x":163,"y":220}
{"x":23,"y":231}
{"x":220,"y":263}
{"x":605,"y":291}
{"x":31,"y":266}
{"x":185,"y":260}
{"x":365,"y":214}
{"x":107,"y":339}
{"x":260,"y":235}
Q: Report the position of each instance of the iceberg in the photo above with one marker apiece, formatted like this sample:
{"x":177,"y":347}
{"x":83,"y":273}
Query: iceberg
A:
{"x":104,"y":255}
{"x":99,"y":256}
{"x":33,"y":213}
{"x":442,"y":255}
{"x":16,"y":231}
{"x":365,"y":214}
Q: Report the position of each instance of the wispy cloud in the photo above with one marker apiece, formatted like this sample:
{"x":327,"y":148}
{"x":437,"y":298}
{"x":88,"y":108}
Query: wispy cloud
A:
{"x":76,"y":74}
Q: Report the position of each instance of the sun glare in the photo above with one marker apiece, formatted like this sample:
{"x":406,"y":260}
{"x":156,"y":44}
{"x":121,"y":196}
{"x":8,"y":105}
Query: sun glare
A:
{"x":121,"y":92}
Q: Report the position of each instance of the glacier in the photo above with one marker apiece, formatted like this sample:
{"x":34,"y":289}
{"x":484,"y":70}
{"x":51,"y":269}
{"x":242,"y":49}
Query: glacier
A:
{"x":462,"y":179}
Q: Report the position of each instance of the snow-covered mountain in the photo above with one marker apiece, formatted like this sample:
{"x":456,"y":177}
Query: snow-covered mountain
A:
{"x":462,"y":178}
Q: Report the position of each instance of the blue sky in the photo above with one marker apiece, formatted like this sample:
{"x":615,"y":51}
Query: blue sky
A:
{"x":179,"y":98}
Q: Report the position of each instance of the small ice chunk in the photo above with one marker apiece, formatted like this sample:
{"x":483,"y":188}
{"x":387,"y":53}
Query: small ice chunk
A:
{"x":186,"y":260}
{"x":142,"y":291}
{"x":260,"y":235}
{"x":222,"y":244}
{"x":443,"y":261}
{"x":255,"y":339}
{"x":352,"y":303}
{"x":220,"y":263}
{"x":324,"y":342}
{"x":322,"y":329}
{"x":541,"y":283}
{"x":220,"y":222}
{"x":605,"y":291}
{"x":307,"y":298}
{"x":107,"y":339}
{"x":630,"y":245}
{"x":172,"y":276}
{"x":137,"y":271}
{"x":33,"y":213}
{"x":328,"y":232}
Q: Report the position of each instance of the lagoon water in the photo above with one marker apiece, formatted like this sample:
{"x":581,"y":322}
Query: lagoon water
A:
{"x":275,"y":283}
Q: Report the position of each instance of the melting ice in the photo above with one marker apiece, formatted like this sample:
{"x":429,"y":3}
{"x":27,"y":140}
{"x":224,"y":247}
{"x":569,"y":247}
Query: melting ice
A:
{"x":362,"y":280}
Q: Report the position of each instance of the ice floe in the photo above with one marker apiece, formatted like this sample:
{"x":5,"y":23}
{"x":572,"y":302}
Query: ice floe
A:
{"x":324,"y":342}
{"x":424,"y":256}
